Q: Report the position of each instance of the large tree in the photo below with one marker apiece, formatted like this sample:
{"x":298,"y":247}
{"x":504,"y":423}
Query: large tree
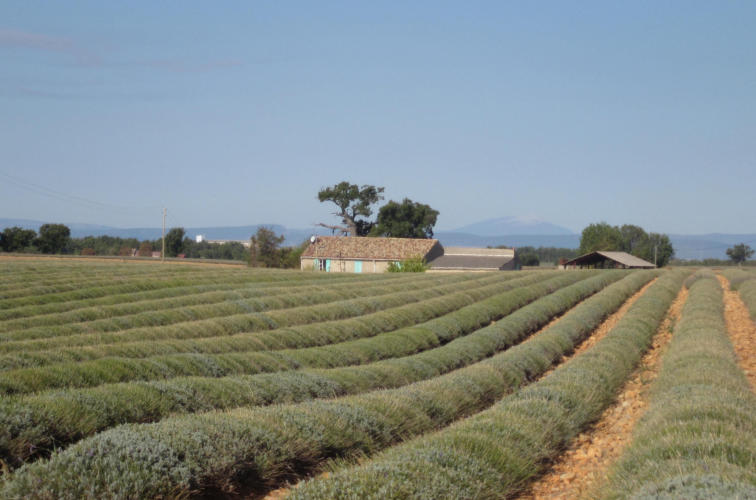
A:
{"x":657,"y":249}
{"x":174,"y":241}
{"x":354,"y":203}
{"x":53,"y":238}
{"x":740,"y":253}
{"x":633,"y":237}
{"x":407,"y":219}
{"x":264,"y":248}
{"x":600,"y":236}
{"x":15,"y":239}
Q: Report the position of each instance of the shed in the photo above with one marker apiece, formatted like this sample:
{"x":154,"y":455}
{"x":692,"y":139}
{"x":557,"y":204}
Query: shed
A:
{"x":475,"y":259}
{"x":353,"y":254}
{"x":608,"y":260}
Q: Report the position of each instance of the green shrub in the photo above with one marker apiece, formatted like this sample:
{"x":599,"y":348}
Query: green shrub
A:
{"x":410,"y":265}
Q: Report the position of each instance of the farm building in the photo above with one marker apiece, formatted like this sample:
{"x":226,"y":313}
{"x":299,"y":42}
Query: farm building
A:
{"x":475,"y":259}
{"x":348,"y":254}
{"x":608,"y":260}
{"x":373,"y":255}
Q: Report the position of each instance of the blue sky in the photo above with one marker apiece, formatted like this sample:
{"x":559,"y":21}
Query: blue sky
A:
{"x":234,"y":113}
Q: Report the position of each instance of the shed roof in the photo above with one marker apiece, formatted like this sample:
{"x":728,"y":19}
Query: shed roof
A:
{"x":623,"y":258}
{"x":470,"y":262}
{"x":352,"y":247}
{"x":470,"y":251}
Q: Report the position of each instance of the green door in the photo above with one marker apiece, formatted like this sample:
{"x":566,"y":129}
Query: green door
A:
{"x":328,"y":265}
{"x":358,"y":266}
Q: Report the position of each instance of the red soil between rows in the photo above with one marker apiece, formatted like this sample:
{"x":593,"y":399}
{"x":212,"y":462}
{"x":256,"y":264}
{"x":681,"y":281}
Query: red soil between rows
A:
{"x":742,"y":331}
{"x":583,"y":465}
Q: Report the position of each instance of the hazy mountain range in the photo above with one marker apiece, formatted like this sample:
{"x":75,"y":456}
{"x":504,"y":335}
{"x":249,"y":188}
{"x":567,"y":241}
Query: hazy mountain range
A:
{"x":511,"y":231}
{"x":514,"y":225}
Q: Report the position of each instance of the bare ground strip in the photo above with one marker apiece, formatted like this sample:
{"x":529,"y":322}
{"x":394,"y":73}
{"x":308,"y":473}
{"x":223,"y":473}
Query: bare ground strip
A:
{"x":584,"y":463}
{"x":742,"y":331}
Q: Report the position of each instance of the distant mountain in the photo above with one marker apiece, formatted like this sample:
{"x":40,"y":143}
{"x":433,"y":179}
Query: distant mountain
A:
{"x":521,"y":226}
{"x":458,"y":239}
{"x":707,"y":246}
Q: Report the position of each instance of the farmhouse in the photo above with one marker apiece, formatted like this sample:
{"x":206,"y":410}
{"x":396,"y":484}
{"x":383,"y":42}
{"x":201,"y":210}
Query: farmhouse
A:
{"x":475,"y":259}
{"x":373,"y":255}
{"x":348,"y":254}
{"x":608,"y":260}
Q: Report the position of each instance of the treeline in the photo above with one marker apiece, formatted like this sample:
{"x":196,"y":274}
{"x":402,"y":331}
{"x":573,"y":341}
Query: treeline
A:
{"x":532,"y":256}
{"x":535,"y":256}
{"x":52,"y":238}
{"x":266,"y":248}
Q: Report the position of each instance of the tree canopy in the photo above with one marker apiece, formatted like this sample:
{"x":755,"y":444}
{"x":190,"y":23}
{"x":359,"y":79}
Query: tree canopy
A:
{"x":600,"y":236}
{"x":652,"y":247}
{"x":264,"y":251}
{"x":407,"y":219}
{"x":174,"y":241}
{"x":53,"y":238}
{"x":353,"y":202}
{"x":740,"y":253}
{"x":15,"y":239}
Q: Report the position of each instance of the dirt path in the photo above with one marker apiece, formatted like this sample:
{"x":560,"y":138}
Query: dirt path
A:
{"x":600,"y":332}
{"x":584,"y":463}
{"x":604,"y":328}
{"x":742,"y":331}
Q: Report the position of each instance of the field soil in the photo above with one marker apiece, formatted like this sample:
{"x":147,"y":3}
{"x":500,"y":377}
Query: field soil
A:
{"x":742,"y":331}
{"x":583,"y":465}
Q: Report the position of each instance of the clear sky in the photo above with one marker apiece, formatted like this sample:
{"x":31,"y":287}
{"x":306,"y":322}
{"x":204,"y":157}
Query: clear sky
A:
{"x":235,"y":113}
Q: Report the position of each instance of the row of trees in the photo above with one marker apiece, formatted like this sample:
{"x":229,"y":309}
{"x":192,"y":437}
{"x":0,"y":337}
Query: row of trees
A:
{"x":534,"y":256}
{"x":52,"y":238}
{"x":56,"y":239}
{"x":652,"y":247}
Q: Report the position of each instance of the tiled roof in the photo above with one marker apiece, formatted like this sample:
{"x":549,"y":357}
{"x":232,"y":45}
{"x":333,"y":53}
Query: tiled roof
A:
{"x":350,"y":247}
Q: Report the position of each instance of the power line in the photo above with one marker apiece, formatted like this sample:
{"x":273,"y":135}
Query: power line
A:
{"x":59,"y":195}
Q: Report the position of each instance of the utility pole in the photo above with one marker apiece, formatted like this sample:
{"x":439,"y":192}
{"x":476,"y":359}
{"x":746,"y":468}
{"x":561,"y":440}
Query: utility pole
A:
{"x":656,"y":245}
{"x":162,"y":254}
